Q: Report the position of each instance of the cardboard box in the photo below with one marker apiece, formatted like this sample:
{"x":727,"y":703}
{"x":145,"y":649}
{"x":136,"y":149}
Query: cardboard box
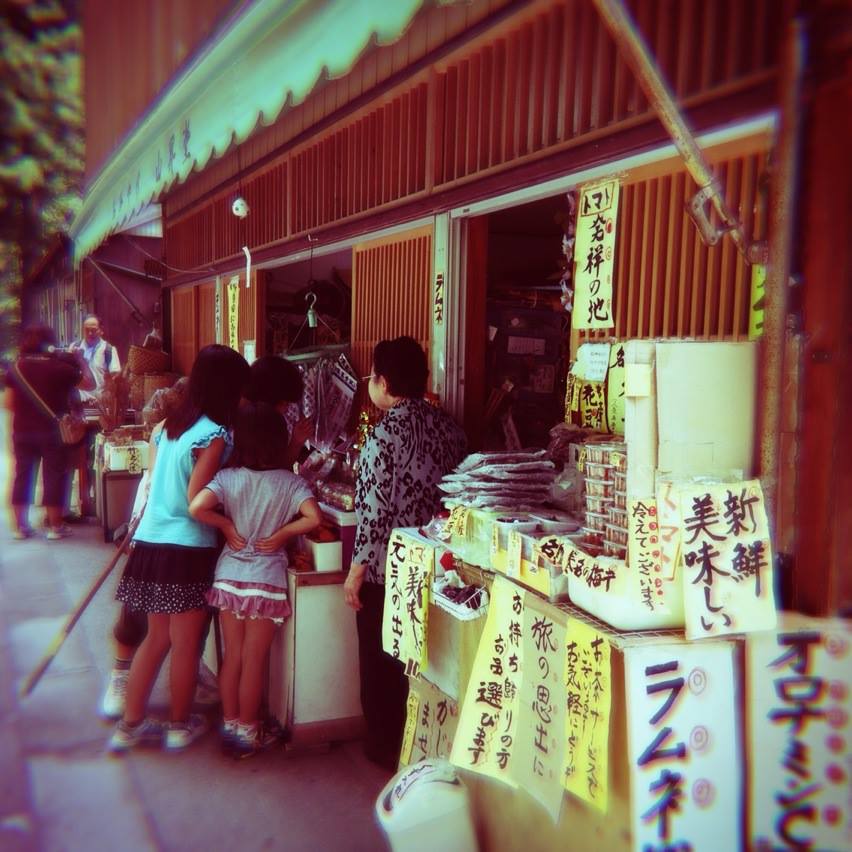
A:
{"x":132,"y":457}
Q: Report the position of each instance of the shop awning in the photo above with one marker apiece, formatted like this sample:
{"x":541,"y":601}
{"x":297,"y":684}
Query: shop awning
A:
{"x":273,"y":54}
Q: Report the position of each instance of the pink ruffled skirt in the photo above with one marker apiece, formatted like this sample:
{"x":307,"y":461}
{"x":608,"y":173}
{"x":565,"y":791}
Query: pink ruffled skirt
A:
{"x":250,"y":600}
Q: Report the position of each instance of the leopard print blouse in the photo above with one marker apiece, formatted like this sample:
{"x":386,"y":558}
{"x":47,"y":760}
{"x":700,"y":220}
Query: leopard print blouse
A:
{"x":409,"y":452}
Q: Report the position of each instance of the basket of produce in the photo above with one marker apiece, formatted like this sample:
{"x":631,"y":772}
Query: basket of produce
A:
{"x":141,"y":360}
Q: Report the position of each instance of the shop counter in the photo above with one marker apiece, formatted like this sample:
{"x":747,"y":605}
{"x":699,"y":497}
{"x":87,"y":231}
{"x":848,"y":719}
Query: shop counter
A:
{"x":313,"y":681}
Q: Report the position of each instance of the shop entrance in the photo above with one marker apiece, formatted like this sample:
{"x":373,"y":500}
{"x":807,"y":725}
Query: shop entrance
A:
{"x":517,"y":329}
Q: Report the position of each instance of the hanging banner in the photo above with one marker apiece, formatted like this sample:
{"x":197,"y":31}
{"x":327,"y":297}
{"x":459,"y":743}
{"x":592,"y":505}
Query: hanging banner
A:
{"x":615,"y":390}
{"x":594,"y":256}
{"x":683,"y":746}
{"x":432,"y":720}
{"x":540,"y":747}
{"x":726,"y":559}
{"x":486,"y":735}
{"x":669,"y":519}
{"x":588,"y":694}
{"x":799,"y":700}
{"x":408,"y":573}
{"x":234,"y":313}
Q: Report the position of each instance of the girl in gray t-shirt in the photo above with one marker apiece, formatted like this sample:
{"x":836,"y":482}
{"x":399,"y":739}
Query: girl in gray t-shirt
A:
{"x":263,"y":506}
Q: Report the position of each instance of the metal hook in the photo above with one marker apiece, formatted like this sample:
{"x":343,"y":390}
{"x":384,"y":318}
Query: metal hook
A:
{"x":311,"y":313}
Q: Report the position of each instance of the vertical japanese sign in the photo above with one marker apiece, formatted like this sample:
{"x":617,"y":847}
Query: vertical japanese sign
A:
{"x":727,"y":579}
{"x":594,"y":256}
{"x":408,"y":573}
{"x":799,"y":696}
{"x":234,"y":313}
{"x":615,"y":390}
{"x":431,"y":723}
{"x":682,"y":745}
{"x":644,"y":552}
{"x":539,"y":759}
{"x":600,"y":573}
{"x":669,"y":518}
{"x":588,"y":696}
{"x":593,"y":406}
{"x":757,"y":301}
{"x":486,"y":735}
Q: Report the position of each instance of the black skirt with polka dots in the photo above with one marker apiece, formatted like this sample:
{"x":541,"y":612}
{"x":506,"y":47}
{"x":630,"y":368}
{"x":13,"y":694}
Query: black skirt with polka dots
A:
{"x":167,"y":578}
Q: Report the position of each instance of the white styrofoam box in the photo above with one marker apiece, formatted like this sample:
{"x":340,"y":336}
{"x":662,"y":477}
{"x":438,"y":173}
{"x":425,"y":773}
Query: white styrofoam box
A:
{"x":327,"y":555}
{"x":706,"y":407}
{"x":640,"y":421}
{"x":132,"y":456}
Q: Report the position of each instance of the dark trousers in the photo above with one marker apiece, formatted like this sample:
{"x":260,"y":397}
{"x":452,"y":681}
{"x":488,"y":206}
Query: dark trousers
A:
{"x":29,"y":449}
{"x":384,"y":686}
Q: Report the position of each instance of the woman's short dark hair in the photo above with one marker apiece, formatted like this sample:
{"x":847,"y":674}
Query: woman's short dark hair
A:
{"x":216,"y":383}
{"x":275,"y":380}
{"x":260,"y":438}
{"x":36,"y":338}
{"x":402,"y":362}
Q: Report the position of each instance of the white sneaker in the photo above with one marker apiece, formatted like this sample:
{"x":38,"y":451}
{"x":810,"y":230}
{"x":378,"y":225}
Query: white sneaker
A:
{"x":179,"y":735}
{"x":112,"y":704}
{"x":148,"y":732}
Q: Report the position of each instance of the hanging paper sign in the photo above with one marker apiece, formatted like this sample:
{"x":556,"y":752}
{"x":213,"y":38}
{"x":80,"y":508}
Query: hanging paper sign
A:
{"x":439,"y":299}
{"x":594,"y":256}
{"x":217,"y":309}
{"x":592,"y":406}
{"x":683,"y":746}
{"x":513,"y":556}
{"x":726,"y":559}
{"x":234,"y":313}
{"x":643,"y":550}
{"x":540,"y":749}
{"x":249,"y":351}
{"x":615,"y":390}
{"x":757,"y":301}
{"x":458,"y":521}
{"x":601,"y":573}
{"x":668,"y":513}
{"x":433,"y":722}
{"x":592,"y":361}
{"x":412,"y":711}
{"x":486,"y":735}
{"x":799,"y":697}
{"x":588,"y":695}
{"x":408,"y":572}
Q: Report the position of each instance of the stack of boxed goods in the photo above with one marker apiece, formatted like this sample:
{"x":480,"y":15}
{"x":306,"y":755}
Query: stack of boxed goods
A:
{"x":125,"y":448}
{"x":605,"y":481}
{"x":147,"y":371}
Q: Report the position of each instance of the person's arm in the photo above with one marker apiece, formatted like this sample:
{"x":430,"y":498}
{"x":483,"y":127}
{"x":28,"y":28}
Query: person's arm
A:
{"x":206,"y":464}
{"x":310,"y":517}
{"x":9,"y":399}
{"x":115,"y":361}
{"x":352,"y":585}
{"x":203,"y":508}
{"x":301,"y":432}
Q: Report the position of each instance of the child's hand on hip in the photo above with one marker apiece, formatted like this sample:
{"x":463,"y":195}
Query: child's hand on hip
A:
{"x":234,"y":539}
{"x":269,"y":545}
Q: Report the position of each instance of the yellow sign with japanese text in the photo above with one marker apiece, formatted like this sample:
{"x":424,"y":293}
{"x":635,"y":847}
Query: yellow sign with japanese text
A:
{"x":594,"y":256}
{"x":431,"y":723}
{"x":408,"y":573}
{"x":486,"y":734}
{"x":588,"y":684}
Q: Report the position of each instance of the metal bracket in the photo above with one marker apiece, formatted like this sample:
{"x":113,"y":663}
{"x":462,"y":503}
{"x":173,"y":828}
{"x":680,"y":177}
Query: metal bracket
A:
{"x":699,"y":212}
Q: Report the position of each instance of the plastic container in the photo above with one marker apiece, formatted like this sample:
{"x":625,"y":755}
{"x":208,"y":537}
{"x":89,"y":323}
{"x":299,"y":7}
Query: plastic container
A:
{"x":599,"y":488}
{"x":426,"y":807}
{"x":600,"y":505}
{"x":616,"y":534}
{"x":326,"y":555}
{"x":619,"y":480}
{"x":617,"y":515}
{"x":620,"y":499}
{"x":597,"y":521}
{"x":555,"y":522}
{"x":591,"y":536}
{"x":598,"y":471}
{"x":611,"y":548}
{"x":504,"y":524}
{"x":597,"y":453}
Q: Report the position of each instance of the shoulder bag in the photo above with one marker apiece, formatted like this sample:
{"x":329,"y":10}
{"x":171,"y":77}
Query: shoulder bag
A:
{"x":72,"y":427}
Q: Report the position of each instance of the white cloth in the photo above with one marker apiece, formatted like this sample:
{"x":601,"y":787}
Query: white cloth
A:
{"x":96,"y":358}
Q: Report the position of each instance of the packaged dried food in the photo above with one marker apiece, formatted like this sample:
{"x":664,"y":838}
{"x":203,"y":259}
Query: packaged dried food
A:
{"x":598,"y":471}
{"x":598,"y":504}
{"x":599,"y":488}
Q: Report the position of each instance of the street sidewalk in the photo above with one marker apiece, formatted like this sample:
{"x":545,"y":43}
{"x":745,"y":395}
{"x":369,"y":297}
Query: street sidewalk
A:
{"x":59,"y":790}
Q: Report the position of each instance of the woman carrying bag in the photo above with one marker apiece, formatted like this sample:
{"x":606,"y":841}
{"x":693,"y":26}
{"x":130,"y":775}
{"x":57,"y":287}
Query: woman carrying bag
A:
{"x":38,"y":389}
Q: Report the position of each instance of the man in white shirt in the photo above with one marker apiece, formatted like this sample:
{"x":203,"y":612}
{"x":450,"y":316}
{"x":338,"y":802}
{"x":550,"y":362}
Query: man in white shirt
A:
{"x":101,"y":356}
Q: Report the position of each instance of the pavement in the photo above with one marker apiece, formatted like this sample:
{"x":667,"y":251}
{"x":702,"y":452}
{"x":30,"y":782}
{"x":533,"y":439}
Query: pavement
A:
{"x":59,"y":789}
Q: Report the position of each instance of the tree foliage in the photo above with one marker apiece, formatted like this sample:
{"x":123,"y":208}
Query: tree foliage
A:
{"x":41,"y":137}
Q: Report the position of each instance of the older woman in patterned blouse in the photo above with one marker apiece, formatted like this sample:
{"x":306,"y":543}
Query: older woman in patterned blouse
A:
{"x":410,"y":450}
